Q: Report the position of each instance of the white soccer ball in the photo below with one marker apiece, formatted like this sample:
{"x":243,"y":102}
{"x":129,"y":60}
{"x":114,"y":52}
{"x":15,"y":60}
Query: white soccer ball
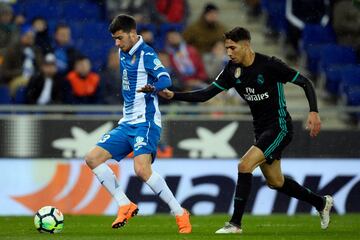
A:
{"x":49,"y":219}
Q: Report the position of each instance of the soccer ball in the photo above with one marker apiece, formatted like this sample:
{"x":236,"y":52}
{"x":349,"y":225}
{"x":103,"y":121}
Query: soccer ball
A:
{"x":49,"y":219}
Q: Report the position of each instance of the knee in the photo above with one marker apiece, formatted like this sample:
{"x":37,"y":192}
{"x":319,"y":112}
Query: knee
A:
{"x":275,"y":183}
{"x":244,"y":167}
{"x":91,"y":160}
{"x":142,"y":172}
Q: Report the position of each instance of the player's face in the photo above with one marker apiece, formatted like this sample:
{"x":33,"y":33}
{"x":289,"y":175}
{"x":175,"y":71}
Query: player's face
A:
{"x":236,"y":50}
{"x":123,"y":40}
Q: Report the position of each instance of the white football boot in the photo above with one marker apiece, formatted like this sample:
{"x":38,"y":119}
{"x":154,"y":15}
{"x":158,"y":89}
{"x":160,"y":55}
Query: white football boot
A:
{"x":325,"y":213}
{"x":229,"y":229}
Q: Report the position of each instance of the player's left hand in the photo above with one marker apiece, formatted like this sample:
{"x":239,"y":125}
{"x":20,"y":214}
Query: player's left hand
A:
{"x":313,"y":124}
{"x":146,"y":89}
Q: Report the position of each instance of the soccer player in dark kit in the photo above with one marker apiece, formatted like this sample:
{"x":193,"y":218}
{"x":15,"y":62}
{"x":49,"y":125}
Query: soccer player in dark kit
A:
{"x":259,"y":80}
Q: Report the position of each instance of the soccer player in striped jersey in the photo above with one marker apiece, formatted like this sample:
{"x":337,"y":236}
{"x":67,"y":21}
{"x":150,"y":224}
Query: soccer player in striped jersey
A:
{"x":139,"y":129}
{"x":259,"y":81}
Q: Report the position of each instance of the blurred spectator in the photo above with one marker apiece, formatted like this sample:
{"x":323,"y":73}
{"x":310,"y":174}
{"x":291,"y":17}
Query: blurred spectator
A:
{"x":174,"y":11}
{"x":175,"y":79}
{"x":186,"y":61}
{"x":148,"y":36}
{"x":298,"y":14}
{"x":111,"y":80}
{"x":81,"y":85}
{"x":8,"y":31}
{"x":45,"y":87}
{"x":64,"y":50}
{"x":21,"y":61}
{"x":42,"y":39}
{"x":215,"y":60}
{"x":346,"y":24}
{"x":206,"y":31}
{"x":254,"y":8}
{"x":144,"y":11}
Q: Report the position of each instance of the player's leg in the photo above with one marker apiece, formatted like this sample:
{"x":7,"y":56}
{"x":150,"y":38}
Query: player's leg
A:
{"x":276,"y":180}
{"x":95,"y":159}
{"x":252,"y":158}
{"x":112,"y":145}
{"x":145,"y":147}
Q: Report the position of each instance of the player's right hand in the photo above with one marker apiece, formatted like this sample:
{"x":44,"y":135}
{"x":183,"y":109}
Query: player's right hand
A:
{"x":146,"y":89}
{"x":166,"y":93}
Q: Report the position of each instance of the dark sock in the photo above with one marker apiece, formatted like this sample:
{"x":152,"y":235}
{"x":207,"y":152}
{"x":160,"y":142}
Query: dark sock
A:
{"x":293,"y":189}
{"x":242,"y":193}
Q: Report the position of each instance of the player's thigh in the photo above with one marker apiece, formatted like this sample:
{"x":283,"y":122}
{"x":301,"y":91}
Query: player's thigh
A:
{"x":273,"y":174}
{"x":251,"y":159}
{"x":116,"y":142}
{"x":146,"y":139}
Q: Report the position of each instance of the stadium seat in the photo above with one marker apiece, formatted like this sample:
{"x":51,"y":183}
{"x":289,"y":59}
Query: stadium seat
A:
{"x":5,"y":97}
{"x":20,"y":95}
{"x":336,"y":55}
{"x":84,"y":11}
{"x":350,"y":80}
{"x":333,"y":61}
{"x":275,"y":10}
{"x":314,"y":38}
{"x":316,"y":34}
{"x":333,"y":78}
{"x":313,"y":55}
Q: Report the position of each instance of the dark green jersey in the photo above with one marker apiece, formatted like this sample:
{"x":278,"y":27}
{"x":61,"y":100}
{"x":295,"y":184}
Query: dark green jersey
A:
{"x":261,"y":86}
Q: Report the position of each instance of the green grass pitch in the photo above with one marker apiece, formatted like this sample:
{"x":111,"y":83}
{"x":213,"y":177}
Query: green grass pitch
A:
{"x":164,"y":227}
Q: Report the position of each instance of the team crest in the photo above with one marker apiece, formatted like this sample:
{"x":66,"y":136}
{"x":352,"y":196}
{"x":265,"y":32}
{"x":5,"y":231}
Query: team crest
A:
{"x":260,"y":79}
{"x":237,"y":72}
{"x":139,"y":143}
{"x":133,"y":59}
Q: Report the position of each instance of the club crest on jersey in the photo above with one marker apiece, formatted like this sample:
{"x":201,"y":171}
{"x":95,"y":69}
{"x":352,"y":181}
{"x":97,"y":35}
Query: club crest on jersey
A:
{"x":157,"y":64}
{"x":237,"y":72}
{"x":260,"y":79}
{"x":133,"y":59}
{"x":139,"y":143}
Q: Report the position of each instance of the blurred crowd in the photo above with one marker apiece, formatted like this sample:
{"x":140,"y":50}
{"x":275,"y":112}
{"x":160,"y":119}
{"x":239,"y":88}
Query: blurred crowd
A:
{"x":60,"y":52}
{"x":45,"y":59}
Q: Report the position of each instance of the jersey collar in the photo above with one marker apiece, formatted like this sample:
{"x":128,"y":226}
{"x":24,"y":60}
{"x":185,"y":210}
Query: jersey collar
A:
{"x":136,"y":46}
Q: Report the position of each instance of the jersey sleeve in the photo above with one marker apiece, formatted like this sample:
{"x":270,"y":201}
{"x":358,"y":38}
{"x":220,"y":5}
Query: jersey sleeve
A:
{"x":281,"y":71}
{"x":153,"y":65}
{"x":222,"y":81}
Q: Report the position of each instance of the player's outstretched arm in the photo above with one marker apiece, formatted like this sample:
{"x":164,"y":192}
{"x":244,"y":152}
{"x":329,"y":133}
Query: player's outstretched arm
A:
{"x":201,"y":95}
{"x":313,"y":123}
{"x":163,"y":83}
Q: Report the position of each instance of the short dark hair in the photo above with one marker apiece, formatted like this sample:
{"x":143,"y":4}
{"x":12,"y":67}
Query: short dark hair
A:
{"x":61,"y":25}
{"x":238,"y":34}
{"x":210,"y":7}
{"x":122,"y":22}
{"x":81,"y":57}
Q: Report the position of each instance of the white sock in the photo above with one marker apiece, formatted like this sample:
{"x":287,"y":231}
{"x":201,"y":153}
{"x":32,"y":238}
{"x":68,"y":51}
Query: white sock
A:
{"x":159,"y":186}
{"x":108,"y":179}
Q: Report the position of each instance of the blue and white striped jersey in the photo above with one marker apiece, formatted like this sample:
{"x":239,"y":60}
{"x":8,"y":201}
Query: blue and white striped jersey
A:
{"x":138,"y":67}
